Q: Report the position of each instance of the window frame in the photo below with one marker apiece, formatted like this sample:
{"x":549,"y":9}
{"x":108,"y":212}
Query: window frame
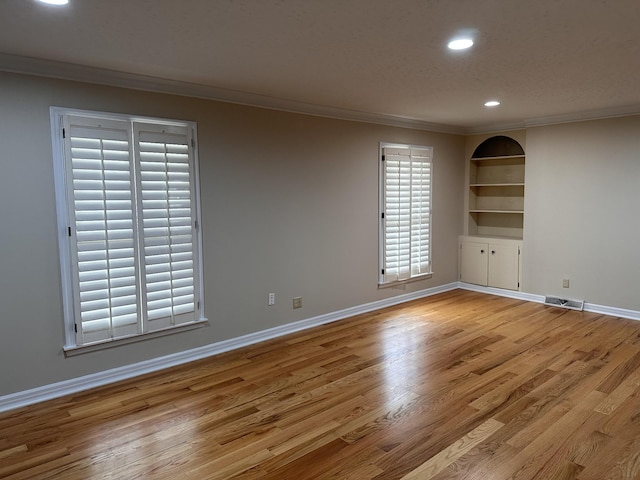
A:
{"x":382,"y":282}
{"x":66,"y":250}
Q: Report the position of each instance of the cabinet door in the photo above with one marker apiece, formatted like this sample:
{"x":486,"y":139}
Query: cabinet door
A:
{"x":503,"y":266}
{"x":473,"y":263}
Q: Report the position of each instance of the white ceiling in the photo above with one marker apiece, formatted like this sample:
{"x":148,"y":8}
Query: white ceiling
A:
{"x":385,"y":60}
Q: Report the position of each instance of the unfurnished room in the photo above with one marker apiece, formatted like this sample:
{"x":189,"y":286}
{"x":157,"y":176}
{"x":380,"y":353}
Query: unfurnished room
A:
{"x":337,"y":239}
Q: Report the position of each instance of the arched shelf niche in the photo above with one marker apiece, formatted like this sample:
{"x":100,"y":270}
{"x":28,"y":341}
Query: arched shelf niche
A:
{"x":498,"y":146}
{"x":496,"y":189}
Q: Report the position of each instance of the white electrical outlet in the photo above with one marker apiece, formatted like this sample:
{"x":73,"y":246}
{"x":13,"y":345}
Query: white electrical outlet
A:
{"x":272,"y":299}
{"x":565,"y":282}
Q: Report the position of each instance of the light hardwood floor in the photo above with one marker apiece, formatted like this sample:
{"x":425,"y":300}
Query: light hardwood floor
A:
{"x":460,"y":385}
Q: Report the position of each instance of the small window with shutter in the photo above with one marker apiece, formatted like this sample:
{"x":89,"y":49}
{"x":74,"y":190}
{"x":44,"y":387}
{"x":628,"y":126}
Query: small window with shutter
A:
{"x":127,"y":199}
{"x":405,"y":217}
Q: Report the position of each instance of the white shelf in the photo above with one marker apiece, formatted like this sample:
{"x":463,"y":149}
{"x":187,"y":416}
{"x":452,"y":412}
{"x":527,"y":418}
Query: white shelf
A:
{"x":502,"y":157}
{"x":497,"y":211}
{"x":490,"y":237}
{"x":496,"y":185}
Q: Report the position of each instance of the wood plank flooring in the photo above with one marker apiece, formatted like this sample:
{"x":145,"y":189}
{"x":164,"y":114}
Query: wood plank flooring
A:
{"x":460,"y":385}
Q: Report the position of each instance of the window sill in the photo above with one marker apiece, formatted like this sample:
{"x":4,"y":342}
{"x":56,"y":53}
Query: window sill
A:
{"x":73,"y":350}
{"x":408,"y":280}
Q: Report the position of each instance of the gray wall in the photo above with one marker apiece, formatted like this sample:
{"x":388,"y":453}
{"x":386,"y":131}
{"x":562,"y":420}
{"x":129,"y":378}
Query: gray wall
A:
{"x":582,"y":197}
{"x":289,"y":205}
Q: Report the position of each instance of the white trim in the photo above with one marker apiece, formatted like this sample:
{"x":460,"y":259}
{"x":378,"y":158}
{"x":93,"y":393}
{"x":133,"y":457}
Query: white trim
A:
{"x":625,"y":111}
{"x":101,"y":76}
{"x":62,"y":222}
{"x":382,"y":187}
{"x":613,"y":311}
{"x":495,"y":128}
{"x":67,"y":387}
{"x":57,"y":115}
{"x":422,"y":276}
{"x":72,"y":351}
{"x":81,"y":73}
{"x":530,"y":297}
{"x":585,"y":116}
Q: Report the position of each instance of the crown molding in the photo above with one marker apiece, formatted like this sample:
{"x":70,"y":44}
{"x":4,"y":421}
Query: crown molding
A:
{"x":495,"y":128}
{"x":585,"y":116}
{"x":81,"y":73}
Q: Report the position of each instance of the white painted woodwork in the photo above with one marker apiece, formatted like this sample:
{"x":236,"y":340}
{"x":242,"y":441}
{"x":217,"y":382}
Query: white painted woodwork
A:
{"x":492,"y":262}
{"x":503,"y":266}
{"x":474,"y":262}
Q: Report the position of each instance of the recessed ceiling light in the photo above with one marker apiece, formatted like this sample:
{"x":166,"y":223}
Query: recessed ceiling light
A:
{"x":460,"y":44}
{"x":492,"y":103}
{"x":55,"y":2}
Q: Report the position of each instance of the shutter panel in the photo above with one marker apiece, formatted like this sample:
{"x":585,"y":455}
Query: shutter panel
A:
{"x":102,"y":216}
{"x":407,"y":215}
{"x":420,"y":211}
{"x":397,"y":235}
{"x":168,"y":214}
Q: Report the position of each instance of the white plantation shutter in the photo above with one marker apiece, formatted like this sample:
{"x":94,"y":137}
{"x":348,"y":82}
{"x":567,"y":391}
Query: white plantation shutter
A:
{"x":102,"y":208}
{"x":131,"y":210}
{"x":168,"y":224}
{"x":420,"y":211}
{"x":406,"y":219}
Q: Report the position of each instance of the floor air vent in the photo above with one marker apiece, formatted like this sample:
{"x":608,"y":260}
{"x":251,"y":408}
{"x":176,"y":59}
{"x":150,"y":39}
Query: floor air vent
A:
{"x":564,"y":303}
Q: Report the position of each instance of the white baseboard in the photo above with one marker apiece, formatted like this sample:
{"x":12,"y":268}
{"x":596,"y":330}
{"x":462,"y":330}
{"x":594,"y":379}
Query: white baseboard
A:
{"x":613,"y":311}
{"x":588,"y":307}
{"x":529,"y":297}
{"x":67,"y":387}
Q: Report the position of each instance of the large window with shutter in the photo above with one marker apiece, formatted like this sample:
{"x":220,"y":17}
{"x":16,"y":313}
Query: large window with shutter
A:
{"x":405,"y":212}
{"x":127,"y":201}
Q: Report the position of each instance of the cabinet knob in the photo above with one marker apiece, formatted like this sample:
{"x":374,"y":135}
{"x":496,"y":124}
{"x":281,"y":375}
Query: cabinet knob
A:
{"x":481,"y":251}
{"x":493,"y":252}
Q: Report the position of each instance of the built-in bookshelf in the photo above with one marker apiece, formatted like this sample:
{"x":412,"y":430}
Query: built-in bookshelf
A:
{"x":496,"y":189}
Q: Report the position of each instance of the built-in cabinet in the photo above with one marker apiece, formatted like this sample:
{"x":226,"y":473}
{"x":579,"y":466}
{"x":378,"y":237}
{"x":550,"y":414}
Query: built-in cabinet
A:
{"x":491,"y":262}
{"x":490,"y":253}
